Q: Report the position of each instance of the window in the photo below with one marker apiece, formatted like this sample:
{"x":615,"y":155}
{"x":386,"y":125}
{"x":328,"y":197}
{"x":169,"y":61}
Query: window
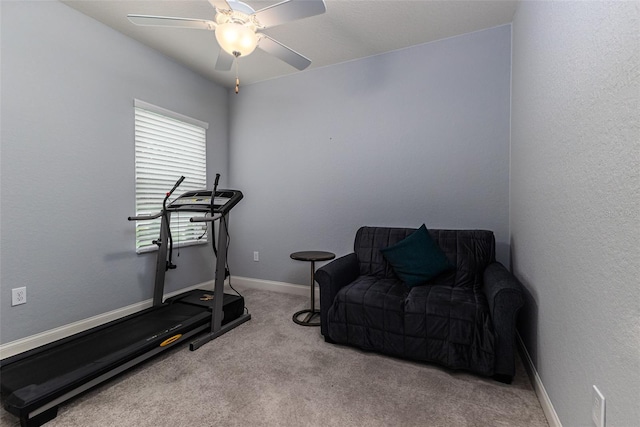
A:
{"x":167,"y":146}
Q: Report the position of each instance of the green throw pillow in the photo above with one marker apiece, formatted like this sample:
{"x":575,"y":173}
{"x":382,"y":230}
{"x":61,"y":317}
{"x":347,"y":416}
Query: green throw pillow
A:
{"x":417,"y":258}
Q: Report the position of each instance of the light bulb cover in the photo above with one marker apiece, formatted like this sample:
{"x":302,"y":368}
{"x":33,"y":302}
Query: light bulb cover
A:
{"x":234,"y":37}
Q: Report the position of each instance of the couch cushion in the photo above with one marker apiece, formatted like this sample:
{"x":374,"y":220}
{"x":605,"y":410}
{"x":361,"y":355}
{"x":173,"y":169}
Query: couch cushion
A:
{"x":417,"y":258}
{"x":367,"y":245}
{"x":451,"y":326}
{"x":369,"y":313}
{"x":471,"y":251}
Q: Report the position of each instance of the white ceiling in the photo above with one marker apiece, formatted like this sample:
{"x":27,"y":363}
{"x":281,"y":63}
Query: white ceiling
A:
{"x":350,"y":29}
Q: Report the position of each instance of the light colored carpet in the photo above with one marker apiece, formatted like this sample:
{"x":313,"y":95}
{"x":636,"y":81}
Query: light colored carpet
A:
{"x":271,"y":372}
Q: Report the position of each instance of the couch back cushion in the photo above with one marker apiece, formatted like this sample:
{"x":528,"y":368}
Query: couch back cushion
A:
{"x":470,"y":251}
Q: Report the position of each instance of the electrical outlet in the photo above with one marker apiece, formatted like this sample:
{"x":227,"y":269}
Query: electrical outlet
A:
{"x":18,"y":296}
{"x":256,"y":256}
{"x":597,"y":411}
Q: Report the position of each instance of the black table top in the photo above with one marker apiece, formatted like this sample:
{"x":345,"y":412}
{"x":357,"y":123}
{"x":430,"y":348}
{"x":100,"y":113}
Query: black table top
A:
{"x":313,"y":256}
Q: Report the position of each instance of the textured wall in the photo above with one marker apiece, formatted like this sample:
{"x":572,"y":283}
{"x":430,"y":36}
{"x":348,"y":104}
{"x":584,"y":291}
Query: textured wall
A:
{"x":67,"y":171}
{"x":412,"y":136}
{"x":574,"y":201}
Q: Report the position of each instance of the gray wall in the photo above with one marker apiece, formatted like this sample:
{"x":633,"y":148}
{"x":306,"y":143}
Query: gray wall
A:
{"x":412,"y":136}
{"x":67,"y":164}
{"x":575,"y":194}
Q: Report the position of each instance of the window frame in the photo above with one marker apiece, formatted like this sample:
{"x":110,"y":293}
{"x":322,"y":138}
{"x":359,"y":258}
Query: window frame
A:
{"x":184,"y":233}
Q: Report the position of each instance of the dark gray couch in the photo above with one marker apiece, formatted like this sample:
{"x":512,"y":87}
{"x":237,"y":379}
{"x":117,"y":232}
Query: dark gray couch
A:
{"x":464,"y":318}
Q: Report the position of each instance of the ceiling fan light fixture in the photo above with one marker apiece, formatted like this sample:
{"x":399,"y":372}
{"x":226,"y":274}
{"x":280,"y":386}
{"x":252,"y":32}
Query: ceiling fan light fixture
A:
{"x":234,"y":37}
{"x":237,"y":28}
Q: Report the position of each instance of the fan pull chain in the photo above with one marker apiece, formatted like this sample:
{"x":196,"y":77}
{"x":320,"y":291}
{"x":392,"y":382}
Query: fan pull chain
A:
{"x":237,"y":54}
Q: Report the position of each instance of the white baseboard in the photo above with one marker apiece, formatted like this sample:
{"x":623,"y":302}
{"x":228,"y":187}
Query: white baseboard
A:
{"x":270,"y":285}
{"x":541,"y":392}
{"x":24,"y":344}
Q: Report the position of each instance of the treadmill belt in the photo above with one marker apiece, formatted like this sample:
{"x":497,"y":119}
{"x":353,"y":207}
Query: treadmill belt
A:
{"x":101,"y":348}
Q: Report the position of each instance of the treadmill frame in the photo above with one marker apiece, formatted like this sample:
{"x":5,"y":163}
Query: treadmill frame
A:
{"x":217,"y":329}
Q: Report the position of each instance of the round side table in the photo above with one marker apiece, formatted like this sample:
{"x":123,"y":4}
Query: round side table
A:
{"x":312,"y":313}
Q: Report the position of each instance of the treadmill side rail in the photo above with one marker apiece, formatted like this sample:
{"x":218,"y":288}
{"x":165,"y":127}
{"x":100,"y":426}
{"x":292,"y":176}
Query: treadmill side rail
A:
{"x":196,"y":344}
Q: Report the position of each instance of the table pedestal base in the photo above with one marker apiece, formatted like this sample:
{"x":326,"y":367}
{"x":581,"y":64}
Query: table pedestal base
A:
{"x":309,"y":318}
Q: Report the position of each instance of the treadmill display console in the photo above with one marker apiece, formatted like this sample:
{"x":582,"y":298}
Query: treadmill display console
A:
{"x":200,"y":201}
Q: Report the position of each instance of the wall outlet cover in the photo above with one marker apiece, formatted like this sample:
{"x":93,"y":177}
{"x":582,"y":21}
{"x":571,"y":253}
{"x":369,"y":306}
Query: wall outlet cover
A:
{"x":18,"y":296}
{"x":597,"y":411}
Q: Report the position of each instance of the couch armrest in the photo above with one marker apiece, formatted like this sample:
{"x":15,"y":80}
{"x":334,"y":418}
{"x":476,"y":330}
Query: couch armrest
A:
{"x":331,"y":277}
{"x":505,"y":296}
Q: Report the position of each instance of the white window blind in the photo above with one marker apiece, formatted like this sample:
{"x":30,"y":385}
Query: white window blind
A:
{"x":167,"y":145}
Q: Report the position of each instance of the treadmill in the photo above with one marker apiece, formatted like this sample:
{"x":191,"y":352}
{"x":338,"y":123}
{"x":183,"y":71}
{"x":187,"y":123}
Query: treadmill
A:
{"x":34,"y":383}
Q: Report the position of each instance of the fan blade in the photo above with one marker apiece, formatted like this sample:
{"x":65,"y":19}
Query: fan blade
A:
{"x":282,"y":52}
{"x":220,"y":4}
{"x":289,"y":10}
{"x":166,"y":21}
{"x":224,"y":61}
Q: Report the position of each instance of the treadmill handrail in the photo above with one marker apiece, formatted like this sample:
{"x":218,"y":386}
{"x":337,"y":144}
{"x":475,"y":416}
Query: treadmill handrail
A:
{"x":205,"y":218}
{"x":145,"y":217}
{"x":159,"y":214}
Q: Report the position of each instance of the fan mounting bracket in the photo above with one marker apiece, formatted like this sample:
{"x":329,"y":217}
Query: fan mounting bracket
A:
{"x":224,"y":16}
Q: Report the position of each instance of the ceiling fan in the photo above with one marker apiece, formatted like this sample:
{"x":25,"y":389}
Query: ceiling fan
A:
{"x":236,"y":26}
